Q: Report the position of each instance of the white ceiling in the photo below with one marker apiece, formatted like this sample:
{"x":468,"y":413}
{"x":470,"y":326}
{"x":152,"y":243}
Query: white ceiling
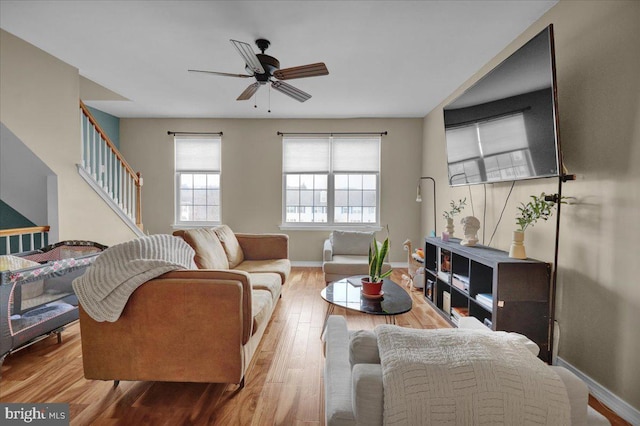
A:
{"x":385,"y":58}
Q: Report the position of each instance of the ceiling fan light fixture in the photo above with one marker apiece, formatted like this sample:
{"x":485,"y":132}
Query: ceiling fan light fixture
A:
{"x":291,"y":91}
{"x":249,"y":56}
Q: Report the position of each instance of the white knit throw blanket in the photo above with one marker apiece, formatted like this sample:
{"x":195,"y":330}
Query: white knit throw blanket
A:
{"x":105,"y":287}
{"x":466,"y":377}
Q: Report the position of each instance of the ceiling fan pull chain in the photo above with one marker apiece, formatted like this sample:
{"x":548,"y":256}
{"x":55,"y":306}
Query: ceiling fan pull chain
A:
{"x":269,"y":110}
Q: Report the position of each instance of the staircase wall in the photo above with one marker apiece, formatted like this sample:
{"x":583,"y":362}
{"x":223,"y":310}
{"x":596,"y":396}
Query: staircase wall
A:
{"x":39,"y":104}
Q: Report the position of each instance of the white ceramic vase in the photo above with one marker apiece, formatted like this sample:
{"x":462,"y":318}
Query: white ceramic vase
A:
{"x":517,"y":250}
{"x":449,"y":228}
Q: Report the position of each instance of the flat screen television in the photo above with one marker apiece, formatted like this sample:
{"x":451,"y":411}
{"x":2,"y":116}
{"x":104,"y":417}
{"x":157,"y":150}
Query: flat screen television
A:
{"x":505,"y":126}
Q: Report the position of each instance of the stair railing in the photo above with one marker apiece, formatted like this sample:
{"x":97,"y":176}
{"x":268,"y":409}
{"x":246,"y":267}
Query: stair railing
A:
{"x":20,"y":235}
{"x":107,"y":167}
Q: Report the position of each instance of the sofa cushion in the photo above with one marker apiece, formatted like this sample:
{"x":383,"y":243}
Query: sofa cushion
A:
{"x":267,"y":281}
{"x":281,"y":267}
{"x":231,"y":245}
{"x":209,"y":251}
{"x":261,"y":303}
{"x":363,"y":348}
{"x":351,"y":242}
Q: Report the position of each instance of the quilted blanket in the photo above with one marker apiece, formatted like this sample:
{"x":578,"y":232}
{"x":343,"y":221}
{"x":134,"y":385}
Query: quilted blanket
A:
{"x":466,"y":377}
{"x":104,"y":289}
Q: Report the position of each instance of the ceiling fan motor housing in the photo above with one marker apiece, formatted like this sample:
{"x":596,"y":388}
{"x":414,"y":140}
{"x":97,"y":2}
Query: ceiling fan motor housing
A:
{"x":270,"y":65}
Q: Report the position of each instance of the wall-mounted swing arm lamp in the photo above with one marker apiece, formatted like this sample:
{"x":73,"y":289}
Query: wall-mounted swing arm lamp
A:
{"x":419,"y":198}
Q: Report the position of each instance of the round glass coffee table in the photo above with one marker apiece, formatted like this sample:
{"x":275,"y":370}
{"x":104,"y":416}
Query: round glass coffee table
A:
{"x":347,"y":294}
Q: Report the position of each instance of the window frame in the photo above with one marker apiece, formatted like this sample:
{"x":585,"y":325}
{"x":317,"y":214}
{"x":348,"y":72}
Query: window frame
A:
{"x":178,"y":223}
{"x":331,"y":224}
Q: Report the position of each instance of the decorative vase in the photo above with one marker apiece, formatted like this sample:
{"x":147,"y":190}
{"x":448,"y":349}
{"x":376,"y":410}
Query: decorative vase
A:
{"x":449,"y":228}
{"x":517,"y":250}
{"x":371,"y":289}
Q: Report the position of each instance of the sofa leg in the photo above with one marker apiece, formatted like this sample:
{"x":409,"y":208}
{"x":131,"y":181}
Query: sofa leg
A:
{"x":116,"y":383}
{"x":241,"y":385}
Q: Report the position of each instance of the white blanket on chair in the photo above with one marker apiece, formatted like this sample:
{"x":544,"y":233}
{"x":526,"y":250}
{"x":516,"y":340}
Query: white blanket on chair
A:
{"x":466,"y":377}
{"x":104,"y":289}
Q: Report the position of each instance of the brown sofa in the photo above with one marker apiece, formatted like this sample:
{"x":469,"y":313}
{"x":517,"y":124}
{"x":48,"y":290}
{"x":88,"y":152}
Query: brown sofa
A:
{"x":194,"y":325}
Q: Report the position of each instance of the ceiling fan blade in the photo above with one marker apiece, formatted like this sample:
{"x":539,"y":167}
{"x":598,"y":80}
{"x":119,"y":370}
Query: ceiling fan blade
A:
{"x":311,"y":70}
{"x":250,"y":58}
{"x":248,"y":92}
{"x":225,"y":74}
{"x":289,"y":90}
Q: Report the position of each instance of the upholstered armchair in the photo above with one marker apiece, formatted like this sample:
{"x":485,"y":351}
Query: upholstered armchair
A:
{"x":346,"y":253}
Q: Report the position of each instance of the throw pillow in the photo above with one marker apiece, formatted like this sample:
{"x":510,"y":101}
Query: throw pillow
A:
{"x":230,"y":244}
{"x":363,"y":348}
{"x":351,"y":242}
{"x":209,"y":251}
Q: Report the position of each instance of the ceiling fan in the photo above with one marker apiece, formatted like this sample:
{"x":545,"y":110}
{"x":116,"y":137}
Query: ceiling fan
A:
{"x":266,"y":69}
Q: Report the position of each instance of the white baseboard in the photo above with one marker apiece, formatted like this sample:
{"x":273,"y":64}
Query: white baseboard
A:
{"x":306,"y":264}
{"x":312,"y":264}
{"x":604,"y":395}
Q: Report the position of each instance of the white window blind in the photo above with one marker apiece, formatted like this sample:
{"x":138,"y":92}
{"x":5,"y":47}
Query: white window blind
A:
{"x":356,"y":155}
{"x":302,"y":155}
{"x":198,"y":154}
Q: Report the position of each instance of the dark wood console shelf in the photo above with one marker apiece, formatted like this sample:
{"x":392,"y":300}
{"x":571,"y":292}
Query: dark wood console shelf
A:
{"x":503,"y":293}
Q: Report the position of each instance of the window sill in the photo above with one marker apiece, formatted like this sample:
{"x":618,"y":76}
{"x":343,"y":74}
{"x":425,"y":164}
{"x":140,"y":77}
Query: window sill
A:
{"x":194,"y":225}
{"x":329,"y":227}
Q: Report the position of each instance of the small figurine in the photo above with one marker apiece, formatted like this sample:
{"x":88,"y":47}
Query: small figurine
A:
{"x":470,"y":226}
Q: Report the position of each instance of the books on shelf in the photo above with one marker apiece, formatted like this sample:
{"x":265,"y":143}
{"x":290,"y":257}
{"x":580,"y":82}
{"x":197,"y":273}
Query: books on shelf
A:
{"x":460,"y":282}
{"x":458,"y":312}
{"x":485,"y":299}
{"x":444,"y":276}
{"x":446,"y":301}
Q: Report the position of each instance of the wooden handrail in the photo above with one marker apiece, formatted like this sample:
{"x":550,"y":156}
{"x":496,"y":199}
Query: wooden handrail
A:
{"x":135,"y":176}
{"x":23,"y":231}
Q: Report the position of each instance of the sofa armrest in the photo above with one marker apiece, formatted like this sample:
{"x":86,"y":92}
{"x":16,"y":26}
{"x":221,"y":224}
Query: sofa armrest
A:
{"x":578,"y":394}
{"x":367,"y":394}
{"x":264,"y":246}
{"x":327,"y":253}
{"x":337,"y":373}
{"x":187,"y":325}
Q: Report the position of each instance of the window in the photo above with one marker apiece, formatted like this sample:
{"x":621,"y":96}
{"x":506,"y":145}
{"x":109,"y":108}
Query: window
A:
{"x":331,"y":180}
{"x":197,"y":165}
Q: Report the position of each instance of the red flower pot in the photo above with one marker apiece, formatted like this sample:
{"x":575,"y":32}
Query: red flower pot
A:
{"x":371,"y":289}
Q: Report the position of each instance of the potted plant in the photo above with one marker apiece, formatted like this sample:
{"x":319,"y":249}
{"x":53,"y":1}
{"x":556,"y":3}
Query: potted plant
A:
{"x":539,"y":207}
{"x":454,"y":210}
{"x":372,"y":284}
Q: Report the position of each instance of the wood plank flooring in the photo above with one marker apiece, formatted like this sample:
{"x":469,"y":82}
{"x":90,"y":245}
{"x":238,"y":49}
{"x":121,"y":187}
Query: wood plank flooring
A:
{"x":284,"y":385}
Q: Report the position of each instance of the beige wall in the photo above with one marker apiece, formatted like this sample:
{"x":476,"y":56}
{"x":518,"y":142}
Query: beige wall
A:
{"x":39,"y":104}
{"x":252,"y":174}
{"x":598,"y":298}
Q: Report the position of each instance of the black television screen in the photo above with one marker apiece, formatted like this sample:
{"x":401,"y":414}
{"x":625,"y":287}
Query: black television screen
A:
{"x":504,"y":127}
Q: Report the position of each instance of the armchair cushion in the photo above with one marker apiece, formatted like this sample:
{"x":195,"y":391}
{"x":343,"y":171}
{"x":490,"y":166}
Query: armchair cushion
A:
{"x":351,"y":242}
{"x":230,"y":244}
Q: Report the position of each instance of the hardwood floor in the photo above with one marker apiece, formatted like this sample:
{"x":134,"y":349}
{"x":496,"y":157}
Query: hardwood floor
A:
{"x":284,"y":386}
